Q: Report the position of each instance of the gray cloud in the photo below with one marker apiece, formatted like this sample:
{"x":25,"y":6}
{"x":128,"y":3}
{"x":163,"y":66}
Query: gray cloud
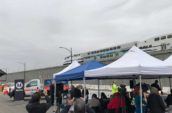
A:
{"x":32,"y":30}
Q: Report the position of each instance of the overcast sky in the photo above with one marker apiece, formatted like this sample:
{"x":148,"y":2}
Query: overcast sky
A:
{"x":32,"y":31}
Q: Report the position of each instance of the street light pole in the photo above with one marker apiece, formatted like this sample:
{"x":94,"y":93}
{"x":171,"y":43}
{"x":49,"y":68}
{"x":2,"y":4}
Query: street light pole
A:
{"x":6,"y":74}
{"x":24,"y":70}
{"x":24,"y":64}
{"x":71,"y":53}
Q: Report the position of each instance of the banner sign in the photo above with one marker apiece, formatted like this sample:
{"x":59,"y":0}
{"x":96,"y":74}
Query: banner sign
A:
{"x":19,"y":90}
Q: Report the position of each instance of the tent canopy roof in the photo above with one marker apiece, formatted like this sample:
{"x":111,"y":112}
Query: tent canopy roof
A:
{"x":134,"y":62}
{"x":168,"y":61}
{"x":73,"y":65}
{"x":135,"y":58}
{"x":78,"y":72}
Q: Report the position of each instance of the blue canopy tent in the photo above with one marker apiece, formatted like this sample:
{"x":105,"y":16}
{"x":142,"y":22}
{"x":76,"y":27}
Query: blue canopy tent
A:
{"x":78,"y":72}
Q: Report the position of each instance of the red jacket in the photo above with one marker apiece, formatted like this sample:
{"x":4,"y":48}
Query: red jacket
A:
{"x":117,"y":102}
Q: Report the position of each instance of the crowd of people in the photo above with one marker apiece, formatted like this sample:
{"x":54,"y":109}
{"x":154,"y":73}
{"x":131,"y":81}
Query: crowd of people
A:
{"x":120,"y":101}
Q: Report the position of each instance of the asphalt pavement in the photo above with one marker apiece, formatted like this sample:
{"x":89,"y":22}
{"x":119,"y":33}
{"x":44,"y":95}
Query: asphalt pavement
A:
{"x":7,"y":105}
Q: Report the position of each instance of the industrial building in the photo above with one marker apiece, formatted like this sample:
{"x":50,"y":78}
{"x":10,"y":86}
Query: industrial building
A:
{"x":43,"y":74}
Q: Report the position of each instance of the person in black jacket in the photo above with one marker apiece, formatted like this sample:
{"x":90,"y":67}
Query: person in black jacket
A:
{"x":156,"y":85}
{"x":34,"y":105}
{"x":104,"y":101}
{"x":52,"y":93}
{"x":86,"y":94}
{"x":155,"y":102}
{"x":168,"y":100}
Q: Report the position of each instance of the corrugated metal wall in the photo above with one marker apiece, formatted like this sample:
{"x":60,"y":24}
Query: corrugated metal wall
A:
{"x":42,"y":74}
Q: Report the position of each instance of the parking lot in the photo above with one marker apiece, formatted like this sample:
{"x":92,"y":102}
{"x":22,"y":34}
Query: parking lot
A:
{"x":7,"y":105}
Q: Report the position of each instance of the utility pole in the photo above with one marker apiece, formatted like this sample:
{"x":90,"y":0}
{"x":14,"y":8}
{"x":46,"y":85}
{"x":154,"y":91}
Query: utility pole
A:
{"x":24,"y":70}
{"x":71,"y":53}
{"x":6,"y":74}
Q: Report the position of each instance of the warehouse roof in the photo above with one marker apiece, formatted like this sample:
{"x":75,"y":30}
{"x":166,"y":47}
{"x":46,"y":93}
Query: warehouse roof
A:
{"x":2,"y":73}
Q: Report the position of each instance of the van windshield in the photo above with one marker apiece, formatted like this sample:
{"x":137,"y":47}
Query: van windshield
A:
{"x":47,"y":82}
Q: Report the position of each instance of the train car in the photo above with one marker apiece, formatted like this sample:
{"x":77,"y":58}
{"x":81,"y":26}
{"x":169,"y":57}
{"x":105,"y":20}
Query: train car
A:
{"x":77,"y":57}
{"x":109,"y":54}
{"x":158,"y":43}
{"x":106,"y":54}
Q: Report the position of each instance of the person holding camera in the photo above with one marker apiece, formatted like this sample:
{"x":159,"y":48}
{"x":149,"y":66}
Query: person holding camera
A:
{"x":34,"y":105}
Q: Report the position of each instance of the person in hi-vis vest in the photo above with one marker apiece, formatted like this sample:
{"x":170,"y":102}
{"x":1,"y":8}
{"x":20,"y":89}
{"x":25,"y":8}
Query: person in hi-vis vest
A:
{"x":114,"y":88}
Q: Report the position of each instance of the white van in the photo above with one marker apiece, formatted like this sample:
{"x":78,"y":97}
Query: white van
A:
{"x":33,"y":86}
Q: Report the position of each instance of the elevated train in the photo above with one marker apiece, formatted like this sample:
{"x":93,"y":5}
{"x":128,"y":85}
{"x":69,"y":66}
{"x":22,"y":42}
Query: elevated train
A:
{"x":154,"y":44}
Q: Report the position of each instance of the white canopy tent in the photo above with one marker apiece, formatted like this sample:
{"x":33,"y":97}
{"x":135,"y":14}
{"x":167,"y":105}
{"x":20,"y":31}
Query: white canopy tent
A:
{"x":134,"y":62}
{"x":168,"y":62}
{"x":73,"y":65}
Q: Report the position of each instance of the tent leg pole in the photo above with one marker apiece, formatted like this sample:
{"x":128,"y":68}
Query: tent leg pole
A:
{"x":141,"y":97}
{"x":84,"y":92}
{"x":69,"y":84}
{"x":98,"y":88}
{"x":55,"y":99}
{"x":84,"y":88}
